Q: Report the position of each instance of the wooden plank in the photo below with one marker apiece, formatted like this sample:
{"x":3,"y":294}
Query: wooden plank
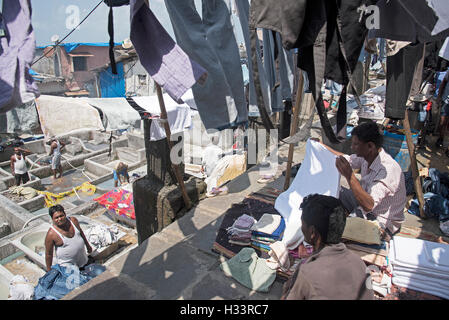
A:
{"x":414,"y":165}
{"x":294,"y":127}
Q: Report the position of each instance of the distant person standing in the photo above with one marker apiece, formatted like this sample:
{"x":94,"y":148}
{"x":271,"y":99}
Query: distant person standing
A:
{"x":18,"y":165}
{"x":55,"y":150}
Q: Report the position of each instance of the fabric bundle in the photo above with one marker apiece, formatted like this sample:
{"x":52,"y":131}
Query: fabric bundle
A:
{"x":239,"y":233}
{"x":101,"y":236}
{"x":249,"y":270}
{"x":269,"y":229}
{"x":420,"y":265}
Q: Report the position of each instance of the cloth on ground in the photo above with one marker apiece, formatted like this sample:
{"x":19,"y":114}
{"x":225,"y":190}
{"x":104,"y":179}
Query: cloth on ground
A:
{"x":227,"y":168}
{"x":26,"y":192}
{"x":179,"y":116}
{"x":249,"y":270}
{"x":20,"y":288}
{"x":60,"y":280}
{"x":361,"y":230}
{"x":435,"y":205}
{"x":164,"y":60}
{"x":118,"y":201}
{"x":101,"y":236}
{"x":16,"y":55}
{"x":318,"y":169}
{"x":209,"y":39}
{"x":254,"y":208}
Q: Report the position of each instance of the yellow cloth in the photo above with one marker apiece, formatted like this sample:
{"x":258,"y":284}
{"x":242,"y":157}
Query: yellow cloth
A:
{"x":52,"y":199}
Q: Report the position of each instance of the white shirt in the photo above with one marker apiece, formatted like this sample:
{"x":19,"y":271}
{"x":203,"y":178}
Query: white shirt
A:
{"x":385,"y":183}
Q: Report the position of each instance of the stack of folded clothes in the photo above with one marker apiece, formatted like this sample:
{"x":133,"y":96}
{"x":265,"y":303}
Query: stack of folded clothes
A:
{"x":266,"y":231}
{"x":239,"y":233}
{"x":420,"y":265}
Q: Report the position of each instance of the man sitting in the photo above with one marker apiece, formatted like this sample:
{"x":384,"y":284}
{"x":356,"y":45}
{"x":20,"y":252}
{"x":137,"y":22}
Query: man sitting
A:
{"x":381,"y":193}
{"x":332,"y":271}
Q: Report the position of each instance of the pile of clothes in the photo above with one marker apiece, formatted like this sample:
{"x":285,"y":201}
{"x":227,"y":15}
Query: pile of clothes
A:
{"x":101,"y":236}
{"x":373,"y":105}
{"x":239,"y":233}
{"x":269,"y":229}
{"x":420,"y":265}
{"x":436,"y":199}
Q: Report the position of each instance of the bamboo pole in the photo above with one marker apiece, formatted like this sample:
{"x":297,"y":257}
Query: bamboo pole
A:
{"x":170,"y":144}
{"x":414,"y":166}
{"x":294,"y":127}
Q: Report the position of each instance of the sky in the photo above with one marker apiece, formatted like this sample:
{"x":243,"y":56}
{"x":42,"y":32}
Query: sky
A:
{"x":58,"y":17}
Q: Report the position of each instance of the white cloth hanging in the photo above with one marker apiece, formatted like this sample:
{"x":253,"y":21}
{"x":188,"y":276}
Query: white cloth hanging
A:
{"x":317,"y":174}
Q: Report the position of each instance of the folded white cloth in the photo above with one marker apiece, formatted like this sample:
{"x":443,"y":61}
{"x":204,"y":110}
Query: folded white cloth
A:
{"x":268,"y":223}
{"x":420,"y":265}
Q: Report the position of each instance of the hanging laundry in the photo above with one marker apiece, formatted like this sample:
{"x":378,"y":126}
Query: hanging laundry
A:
{"x":413,"y":21}
{"x":329,"y":36}
{"x":280,"y":78}
{"x":253,"y":108}
{"x":164,"y":60}
{"x":210,"y":40}
{"x":286,"y":18}
{"x":16,"y":54}
{"x":444,"y":51}
{"x":400,"y":74}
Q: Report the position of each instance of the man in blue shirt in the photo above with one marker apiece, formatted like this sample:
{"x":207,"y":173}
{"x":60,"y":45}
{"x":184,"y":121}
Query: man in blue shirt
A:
{"x":120,"y":174}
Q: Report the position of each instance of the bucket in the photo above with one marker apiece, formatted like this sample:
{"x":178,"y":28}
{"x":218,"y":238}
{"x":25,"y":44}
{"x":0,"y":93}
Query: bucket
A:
{"x":396,"y":146}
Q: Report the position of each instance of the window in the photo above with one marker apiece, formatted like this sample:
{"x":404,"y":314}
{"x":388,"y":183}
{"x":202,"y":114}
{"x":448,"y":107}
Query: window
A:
{"x":79,"y":63}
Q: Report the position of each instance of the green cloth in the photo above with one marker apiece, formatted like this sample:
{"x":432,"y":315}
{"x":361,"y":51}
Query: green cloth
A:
{"x":250,"y":270}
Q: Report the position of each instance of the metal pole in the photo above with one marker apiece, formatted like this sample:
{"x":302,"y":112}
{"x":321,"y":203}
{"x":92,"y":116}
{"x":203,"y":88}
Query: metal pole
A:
{"x":294,"y":127}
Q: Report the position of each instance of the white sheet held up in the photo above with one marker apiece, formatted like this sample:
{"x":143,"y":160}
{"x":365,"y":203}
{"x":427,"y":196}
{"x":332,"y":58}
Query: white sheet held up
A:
{"x":317,"y":174}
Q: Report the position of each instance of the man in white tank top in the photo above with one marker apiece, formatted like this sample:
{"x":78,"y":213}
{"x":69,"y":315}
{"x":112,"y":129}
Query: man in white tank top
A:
{"x":66,"y":238}
{"x":18,"y":165}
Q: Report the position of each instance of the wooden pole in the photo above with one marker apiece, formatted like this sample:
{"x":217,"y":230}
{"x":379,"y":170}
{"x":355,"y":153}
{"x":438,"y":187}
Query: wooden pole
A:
{"x":414,"y":166}
{"x":170,"y":144}
{"x":293,"y":128}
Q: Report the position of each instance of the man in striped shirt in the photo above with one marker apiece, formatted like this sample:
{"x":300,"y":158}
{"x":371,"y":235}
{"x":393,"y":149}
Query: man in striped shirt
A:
{"x":380,"y":194}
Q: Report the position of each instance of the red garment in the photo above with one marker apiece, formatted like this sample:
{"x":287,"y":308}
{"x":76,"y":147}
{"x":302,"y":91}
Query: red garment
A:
{"x":119,"y":201}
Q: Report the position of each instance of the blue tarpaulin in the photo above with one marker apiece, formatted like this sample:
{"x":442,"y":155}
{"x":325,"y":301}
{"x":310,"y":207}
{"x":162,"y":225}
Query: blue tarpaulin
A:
{"x":113,"y":85}
{"x":69,"y":47}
